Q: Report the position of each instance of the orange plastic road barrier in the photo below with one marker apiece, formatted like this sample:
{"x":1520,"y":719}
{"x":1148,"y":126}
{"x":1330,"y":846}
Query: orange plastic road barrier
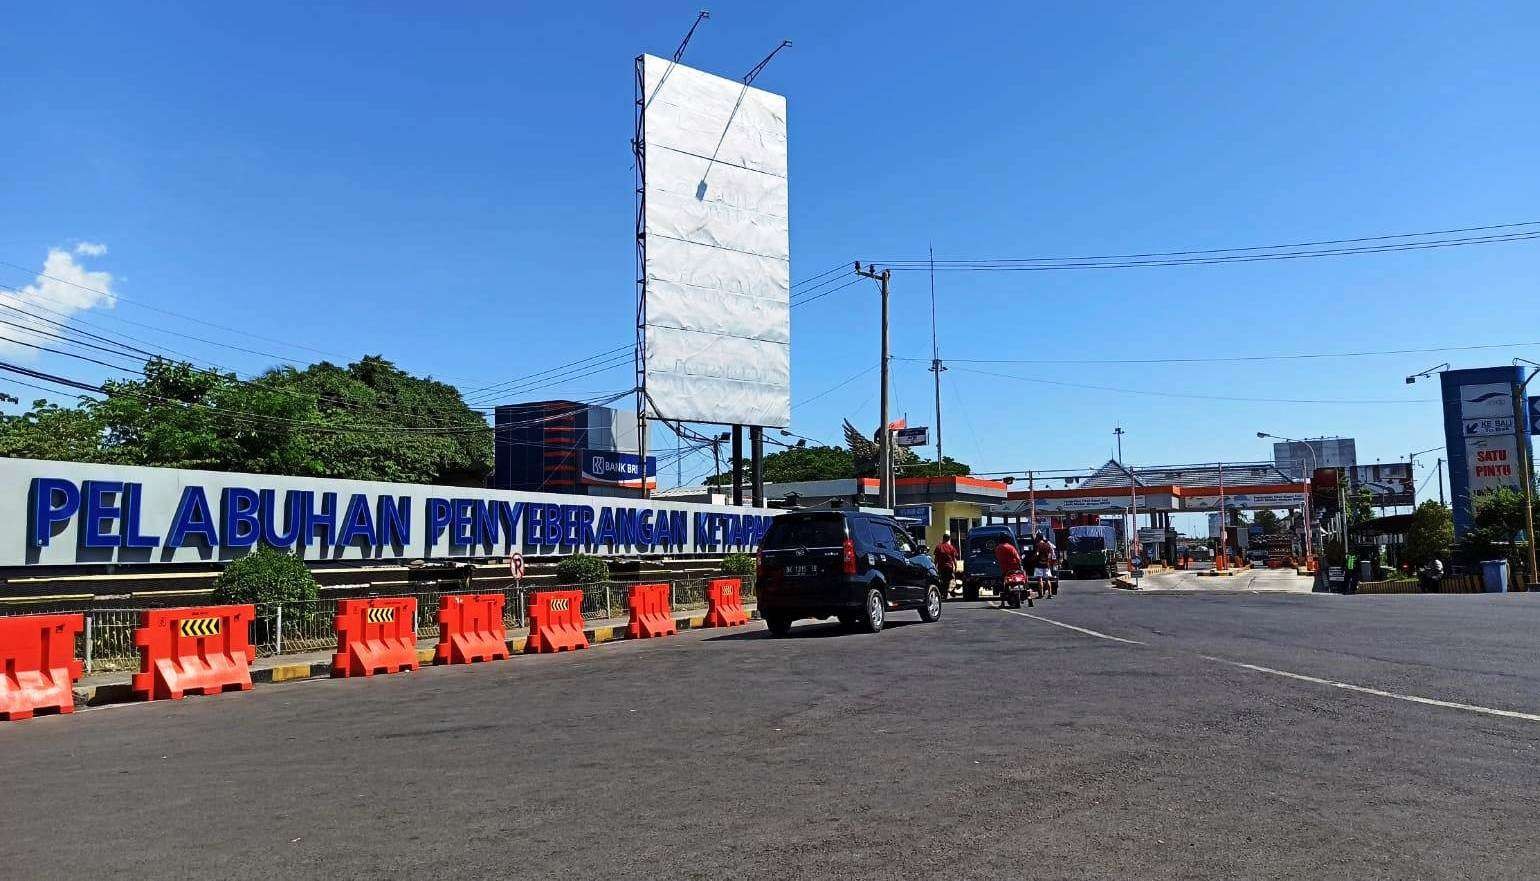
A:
{"x":650,"y":612}
{"x":375,"y":635}
{"x":556,"y":621}
{"x":724,"y":603}
{"x":202,"y":649}
{"x":470,"y":629}
{"x":37,"y":664}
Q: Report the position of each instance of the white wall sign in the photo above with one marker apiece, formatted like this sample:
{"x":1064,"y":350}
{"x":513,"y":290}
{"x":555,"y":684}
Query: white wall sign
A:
{"x":63,"y":513}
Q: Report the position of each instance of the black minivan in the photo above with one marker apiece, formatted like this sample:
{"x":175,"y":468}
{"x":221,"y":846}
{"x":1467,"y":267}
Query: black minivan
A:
{"x":852,"y":565}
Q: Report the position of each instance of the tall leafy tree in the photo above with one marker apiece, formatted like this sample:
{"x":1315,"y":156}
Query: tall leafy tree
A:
{"x":368,"y":420}
{"x":1431,"y":534}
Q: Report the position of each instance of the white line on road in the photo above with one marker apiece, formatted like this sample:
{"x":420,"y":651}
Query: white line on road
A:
{"x":1074,"y":628}
{"x":1472,"y":708}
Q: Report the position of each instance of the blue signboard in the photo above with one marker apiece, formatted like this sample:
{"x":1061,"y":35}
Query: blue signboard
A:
{"x":1534,"y":415}
{"x":919,"y":513}
{"x":1482,"y":436}
{"x":609,"y":468}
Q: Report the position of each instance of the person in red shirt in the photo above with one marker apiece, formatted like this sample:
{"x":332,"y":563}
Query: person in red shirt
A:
{"x":1010,"y":564}
{"x":946,"y":563}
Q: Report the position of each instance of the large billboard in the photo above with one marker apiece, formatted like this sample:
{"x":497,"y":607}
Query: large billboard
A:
{"x":66,"y":513}
{"x":716,"y":253}
{"x":1389,"y":484}
{"x":1482,"y":434}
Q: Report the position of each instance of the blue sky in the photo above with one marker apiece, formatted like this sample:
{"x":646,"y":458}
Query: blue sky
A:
{"x":450,"y":186}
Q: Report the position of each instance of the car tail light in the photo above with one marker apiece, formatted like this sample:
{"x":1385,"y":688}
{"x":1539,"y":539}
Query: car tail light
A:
{"x":850,"y":557}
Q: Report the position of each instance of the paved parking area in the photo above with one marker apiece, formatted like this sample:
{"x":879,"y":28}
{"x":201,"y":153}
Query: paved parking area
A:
{"x":1101,"y":734}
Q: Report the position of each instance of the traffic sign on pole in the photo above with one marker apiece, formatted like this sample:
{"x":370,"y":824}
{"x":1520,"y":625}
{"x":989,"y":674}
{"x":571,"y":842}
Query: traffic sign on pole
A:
{"x":516,"y":567}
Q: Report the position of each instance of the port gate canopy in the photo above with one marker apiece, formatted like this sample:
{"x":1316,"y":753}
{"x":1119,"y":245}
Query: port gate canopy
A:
{"x":1244,"y":486}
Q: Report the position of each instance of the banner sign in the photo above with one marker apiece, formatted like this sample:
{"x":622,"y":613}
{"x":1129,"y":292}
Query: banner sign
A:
{"x":1482,"y":435}
{"x":920,"y":513}
{"x":64,"y":513}
{"x":1389,"y":484}
{"x":1244,"y":501}
{"x":912,"y":437}
{"x":609,"y":468}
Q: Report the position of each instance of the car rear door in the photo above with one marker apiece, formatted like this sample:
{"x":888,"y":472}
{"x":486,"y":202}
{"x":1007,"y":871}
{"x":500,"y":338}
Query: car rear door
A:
{"x":803,"y":555}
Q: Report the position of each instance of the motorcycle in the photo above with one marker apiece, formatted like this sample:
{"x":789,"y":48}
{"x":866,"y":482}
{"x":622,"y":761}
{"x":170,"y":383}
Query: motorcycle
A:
{"x":1014,"y":587}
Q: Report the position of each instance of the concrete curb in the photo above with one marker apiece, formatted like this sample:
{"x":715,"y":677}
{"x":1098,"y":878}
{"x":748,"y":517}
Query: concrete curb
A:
{"x":122,"y":693}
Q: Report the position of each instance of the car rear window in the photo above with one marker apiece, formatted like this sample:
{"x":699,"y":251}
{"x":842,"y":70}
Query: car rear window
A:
{"x":805,"y":531}
{"x":984,"y":544}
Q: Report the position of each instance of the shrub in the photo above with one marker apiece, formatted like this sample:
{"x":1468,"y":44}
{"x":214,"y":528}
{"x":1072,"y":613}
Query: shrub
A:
{"x":265,"y":576}
{"x":739,"y":565}
{"x":582,"y":569}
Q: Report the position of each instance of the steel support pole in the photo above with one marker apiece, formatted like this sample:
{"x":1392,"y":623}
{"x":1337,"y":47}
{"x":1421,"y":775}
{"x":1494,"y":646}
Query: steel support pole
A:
{"x":757,"y":465}
{"x":737,"y":464}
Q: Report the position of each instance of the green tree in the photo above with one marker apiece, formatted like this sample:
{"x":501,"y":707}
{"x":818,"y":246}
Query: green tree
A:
{"x":1431,"y":534}
{"x":48,"y":431}
{"x":927,"y":468}
{"x":1497,"y":525}
{"x":367,"y":421}
{"x":1268,"y":520}
{"x":1360,"y":506}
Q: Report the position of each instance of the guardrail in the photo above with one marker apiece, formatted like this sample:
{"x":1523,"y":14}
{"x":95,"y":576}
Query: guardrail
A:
{"x":107,"y":642}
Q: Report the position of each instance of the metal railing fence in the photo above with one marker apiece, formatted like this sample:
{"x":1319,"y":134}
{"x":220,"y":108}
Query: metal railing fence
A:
{"x":290,"y":628}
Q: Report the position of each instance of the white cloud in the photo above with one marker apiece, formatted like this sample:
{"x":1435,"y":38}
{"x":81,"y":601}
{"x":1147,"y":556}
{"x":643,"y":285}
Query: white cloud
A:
{"x":63,"y":288}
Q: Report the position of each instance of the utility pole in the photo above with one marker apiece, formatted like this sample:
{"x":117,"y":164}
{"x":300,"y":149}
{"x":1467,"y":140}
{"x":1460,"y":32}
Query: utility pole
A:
{"x":1031,"y":502}
{"x":1441,"y":480}
{"x":936,"y":366}
{"x":885,"y":436}
{"x":1220,"y":562}
{"x":1521,"y":443}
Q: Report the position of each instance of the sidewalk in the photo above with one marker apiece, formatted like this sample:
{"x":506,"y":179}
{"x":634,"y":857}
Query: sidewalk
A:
{"x":1252,"y":580}
{"x":97,"y":689}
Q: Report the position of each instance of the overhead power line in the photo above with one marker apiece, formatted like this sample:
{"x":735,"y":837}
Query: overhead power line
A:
{"x":1194,"y":396}
{"x":1296,"y":356}
{"x":1040,"y":264}
{"x":1373,"y":238}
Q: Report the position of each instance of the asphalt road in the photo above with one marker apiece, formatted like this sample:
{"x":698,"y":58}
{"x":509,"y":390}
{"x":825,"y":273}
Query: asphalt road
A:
{"x":989,"y":745}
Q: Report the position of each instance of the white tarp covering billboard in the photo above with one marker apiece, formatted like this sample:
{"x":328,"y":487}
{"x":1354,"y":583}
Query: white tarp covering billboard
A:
{"x":718,"y":267}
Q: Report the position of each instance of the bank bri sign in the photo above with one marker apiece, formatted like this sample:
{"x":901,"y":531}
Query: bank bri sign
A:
{"x":63,"y":513}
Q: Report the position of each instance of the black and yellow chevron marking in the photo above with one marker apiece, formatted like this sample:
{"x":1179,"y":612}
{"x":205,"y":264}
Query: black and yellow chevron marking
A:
{"x":199,"y":627}
{"x":381,"y":614}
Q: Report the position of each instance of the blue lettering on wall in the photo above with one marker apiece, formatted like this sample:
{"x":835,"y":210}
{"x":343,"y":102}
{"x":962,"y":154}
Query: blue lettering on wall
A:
{"x":483,"y":523}
{"x":393,"y":522}
{"x":605,"y":535}
{"x":267,"y":515}
{"x":460,"y":523}
{"x":133,"y":508}
{"x":192,"y":519}
{"x":439,"y":515}
{"x":357,"y":522}
{"x":100,"y":510}
{"x":53,"y":501}
{"x":324,"y":520}
{"x":238,"y":508}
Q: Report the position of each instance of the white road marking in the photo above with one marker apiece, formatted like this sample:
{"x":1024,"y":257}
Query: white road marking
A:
{"x":1074,"y":628}
{"x":1412,"y":698}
